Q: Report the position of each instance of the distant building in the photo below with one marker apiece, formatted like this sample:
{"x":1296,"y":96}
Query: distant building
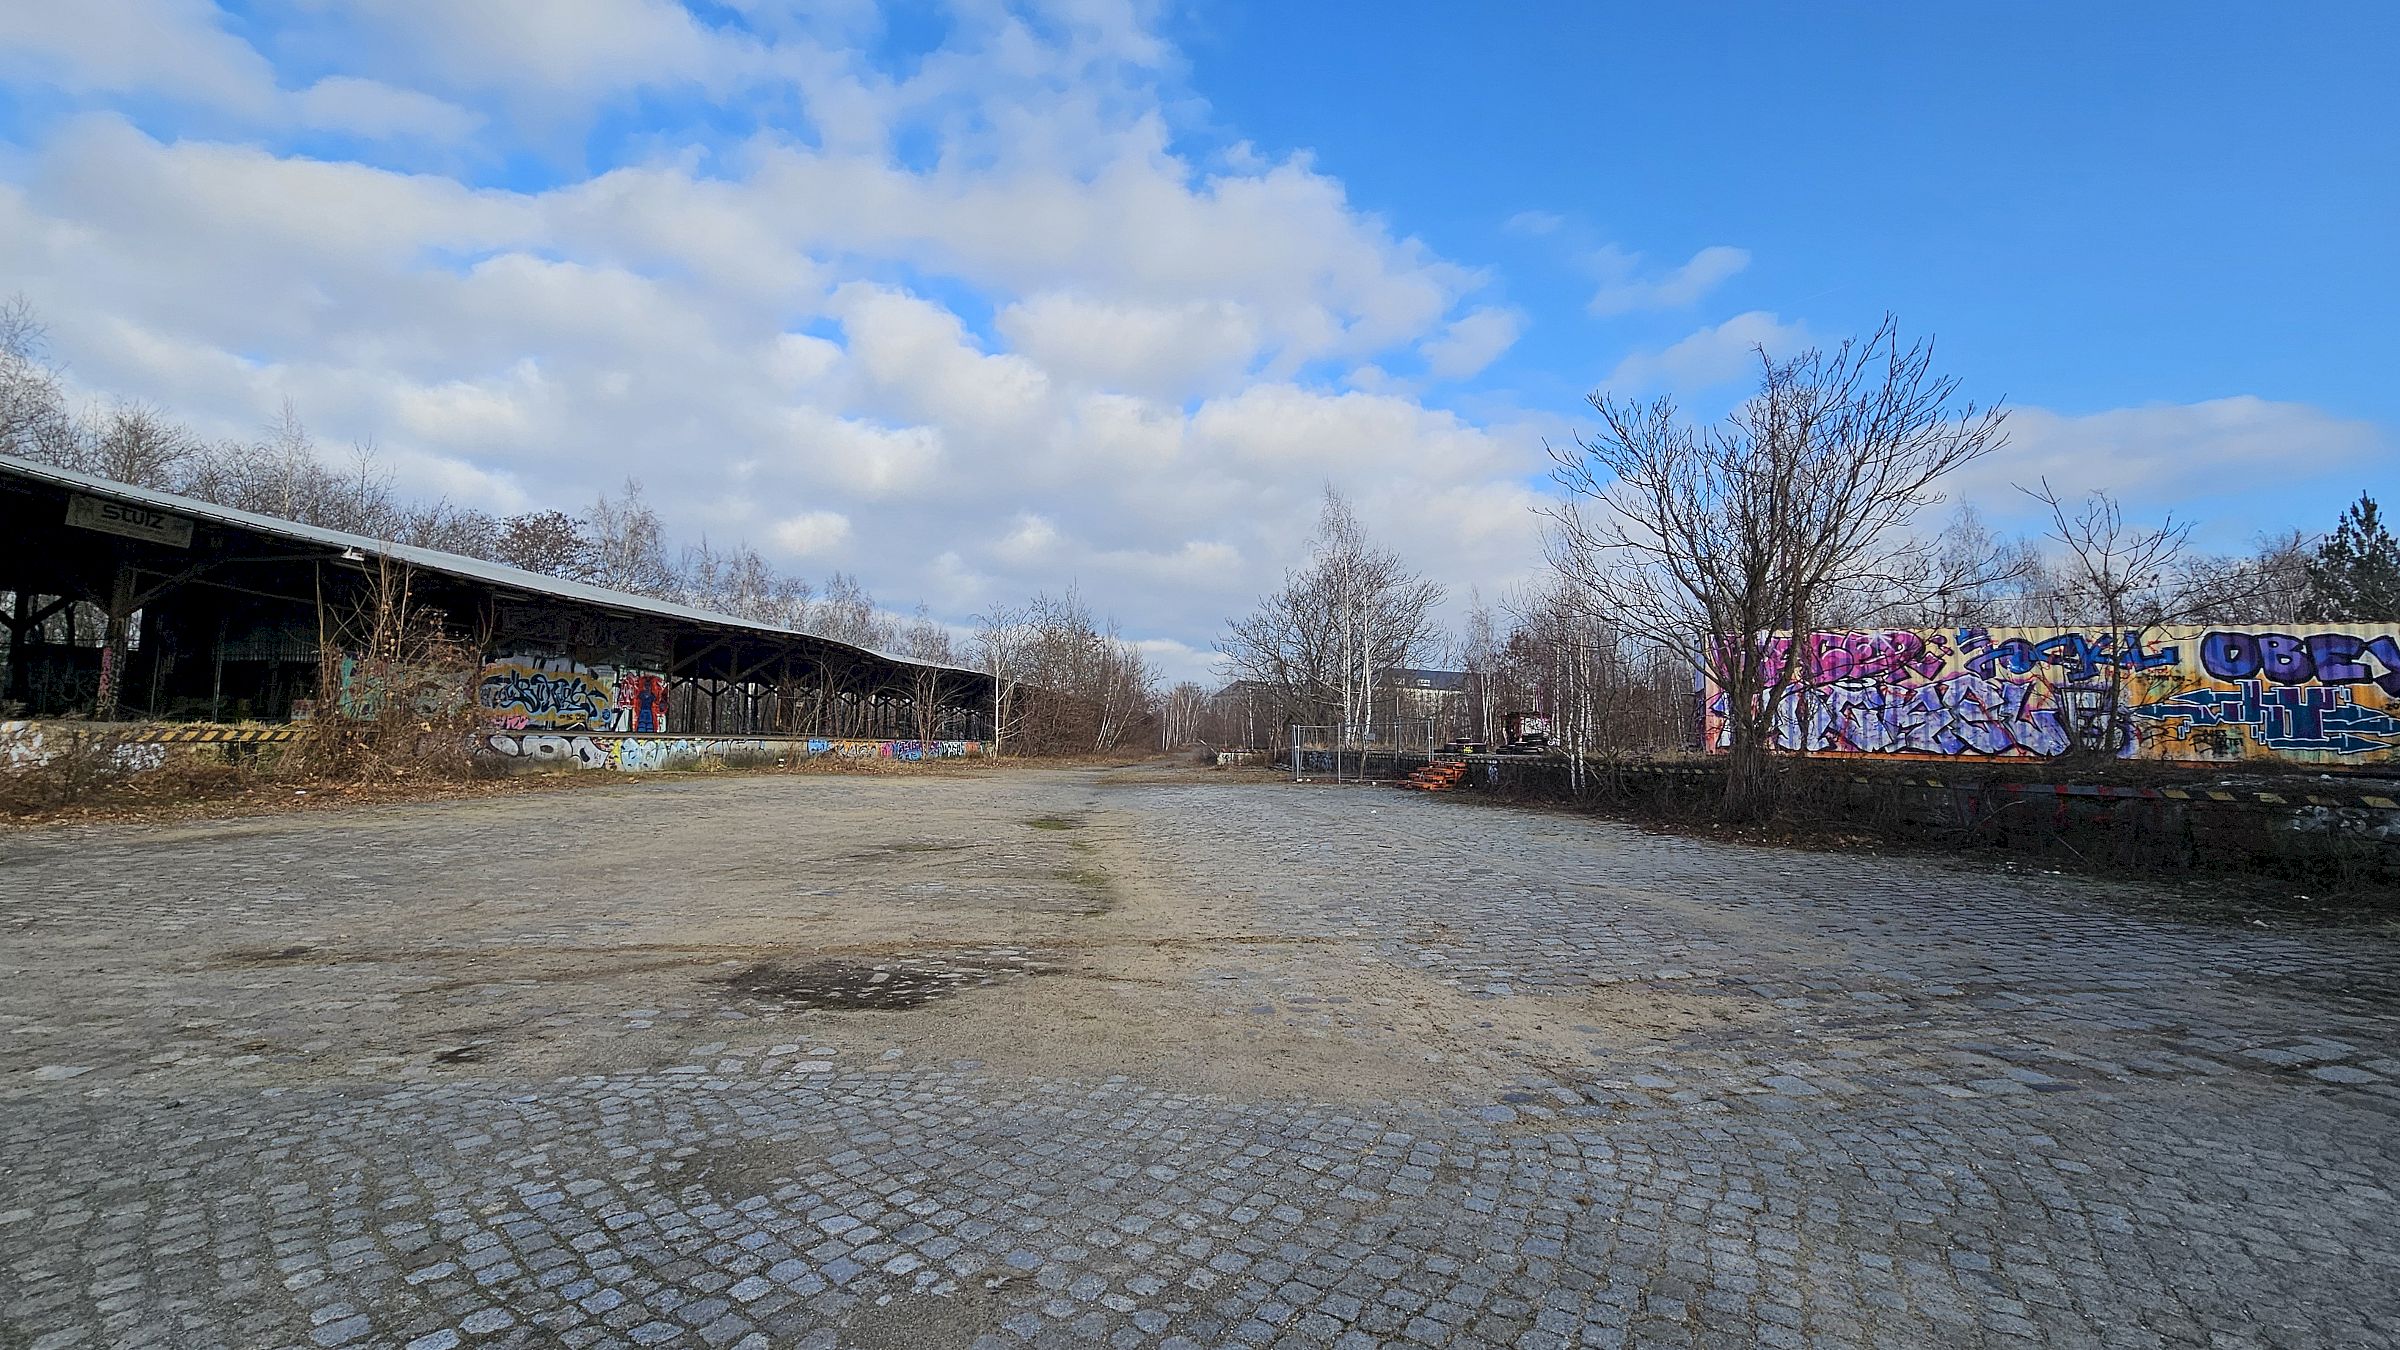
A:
{"x":1425,"y":693}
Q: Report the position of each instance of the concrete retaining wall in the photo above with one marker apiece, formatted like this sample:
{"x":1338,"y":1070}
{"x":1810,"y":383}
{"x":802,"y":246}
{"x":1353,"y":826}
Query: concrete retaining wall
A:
{"x":136,"y":748}
{"x":632,"y":753}
{"x":2313,"y":824}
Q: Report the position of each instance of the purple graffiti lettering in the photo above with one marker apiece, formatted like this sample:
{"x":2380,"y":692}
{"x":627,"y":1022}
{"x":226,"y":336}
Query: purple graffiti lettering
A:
{"x":2387,"y":650}
{"x":2282,"y":658}
{"x":1963,"y":714}
{"x":2229,"y":656}
{"x":2334,"y":656}
{"x":1821,"y":658}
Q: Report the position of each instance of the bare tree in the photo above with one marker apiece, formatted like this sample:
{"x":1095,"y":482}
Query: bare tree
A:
{"x":2271,"y":582}
{"x":1063,"y":682}
{"x":452,"y":529}
{"x":629,"y":550}
{"x":921,"y":639}
{"x":2129,"y":576}
{"x":136,"y":443}
{"x":1002,"y":646}
{"x":1352,"y":615}
{"x":1977,"y":577}
{"x":1179,"y":715}
{"x":847,"y":613}
{"x":34,"y":422}
{"x":1481,"y":655}
{"x":1712,"y":539}
{"x":740,"y":581}
{"x":552,"y":543}
{"x":284,"y":475}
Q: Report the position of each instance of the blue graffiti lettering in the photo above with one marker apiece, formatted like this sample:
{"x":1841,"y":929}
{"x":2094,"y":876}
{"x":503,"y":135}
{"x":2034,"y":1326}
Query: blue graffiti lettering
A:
{"x":2283,"y":718}
{"x":2081,"y":656}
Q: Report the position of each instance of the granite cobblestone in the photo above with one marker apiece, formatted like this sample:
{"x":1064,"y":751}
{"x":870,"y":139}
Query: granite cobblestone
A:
{"x":1916,"y":1104}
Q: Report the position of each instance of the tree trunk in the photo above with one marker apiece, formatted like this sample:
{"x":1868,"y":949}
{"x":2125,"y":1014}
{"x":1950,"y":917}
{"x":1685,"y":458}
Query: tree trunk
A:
{"x":1749,"y":783}
{"x":112,"y":649}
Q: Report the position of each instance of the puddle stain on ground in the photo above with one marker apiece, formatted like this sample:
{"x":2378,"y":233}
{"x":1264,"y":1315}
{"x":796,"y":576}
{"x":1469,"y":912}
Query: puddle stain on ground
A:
{"x":265,"y":956}
{"x":902,"y":982}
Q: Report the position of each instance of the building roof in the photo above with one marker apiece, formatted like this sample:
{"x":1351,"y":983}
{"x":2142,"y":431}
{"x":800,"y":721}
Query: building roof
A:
{"x":1437,"y":681}
{"x":433,"y":560}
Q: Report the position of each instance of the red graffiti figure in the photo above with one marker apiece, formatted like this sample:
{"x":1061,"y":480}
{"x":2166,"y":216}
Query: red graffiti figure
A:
{"x":644,"y":699}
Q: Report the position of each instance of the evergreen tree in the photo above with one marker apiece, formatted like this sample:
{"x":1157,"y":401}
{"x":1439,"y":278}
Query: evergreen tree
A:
{"x":2356,"y":573}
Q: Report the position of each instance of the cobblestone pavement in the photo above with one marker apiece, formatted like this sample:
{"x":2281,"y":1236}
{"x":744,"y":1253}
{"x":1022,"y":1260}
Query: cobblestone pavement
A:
{"x":1121,"y":1059}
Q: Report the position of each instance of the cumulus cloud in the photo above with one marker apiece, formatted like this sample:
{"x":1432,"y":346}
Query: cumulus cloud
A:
{"x":575,"y":46}
{"x":812,"y":534}
{"x":1165,"y":351}
{"x":1623,"y":288}
{"x":374,"y":109}
{"x":175,"y":48}
{"x":1709,"y":357}
{"x":1471,"y":342}
{"x":2207,"y":459}
{"x":968,"y":329}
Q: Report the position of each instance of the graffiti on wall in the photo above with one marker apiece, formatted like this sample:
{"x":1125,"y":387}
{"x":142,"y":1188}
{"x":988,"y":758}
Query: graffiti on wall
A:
{"x":35,"y":745}
{"x":2324,"y":694}
{"x":647,"y":754}
{"x":556,"y":693}
{"x":641,"y":702}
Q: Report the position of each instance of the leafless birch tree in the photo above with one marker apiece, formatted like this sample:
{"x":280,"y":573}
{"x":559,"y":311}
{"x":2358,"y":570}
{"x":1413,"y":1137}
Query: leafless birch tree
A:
{"x":1351,"y":616}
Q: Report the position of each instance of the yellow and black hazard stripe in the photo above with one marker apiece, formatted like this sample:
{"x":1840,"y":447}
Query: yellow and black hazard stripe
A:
{"x":217,"y":735}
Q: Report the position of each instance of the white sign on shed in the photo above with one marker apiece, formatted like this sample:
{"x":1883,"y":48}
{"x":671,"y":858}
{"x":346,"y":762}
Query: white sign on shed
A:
{"x":134,"y":522}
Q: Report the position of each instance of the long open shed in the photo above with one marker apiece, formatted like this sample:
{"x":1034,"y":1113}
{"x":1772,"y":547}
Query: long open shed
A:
{"x":126,"y":603}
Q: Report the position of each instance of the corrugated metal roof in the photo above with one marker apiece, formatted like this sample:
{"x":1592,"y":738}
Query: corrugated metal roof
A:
{"x":433,"y":560}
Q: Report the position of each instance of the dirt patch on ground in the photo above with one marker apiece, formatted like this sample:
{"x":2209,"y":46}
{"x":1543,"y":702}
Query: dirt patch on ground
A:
{"x":884,"y":986}
{"x":854,"y":916}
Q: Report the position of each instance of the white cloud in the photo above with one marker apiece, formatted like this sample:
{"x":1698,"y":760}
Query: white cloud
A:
{"x":1623,"y":291}
{"x":858,"y":457}
{"x":2221,"y":449}
{"x":1471,"y":342}
{"x":785,"y":338}
{"x":1033,"y":537}
{"x":1177,"y":662}
{"x":1166,"y":351}
{"x":1710,"y":357}
{"x":812,"y":534}
{"x":574,"y":46}
{"x":176,"y":48}
{"x":374,"y":109}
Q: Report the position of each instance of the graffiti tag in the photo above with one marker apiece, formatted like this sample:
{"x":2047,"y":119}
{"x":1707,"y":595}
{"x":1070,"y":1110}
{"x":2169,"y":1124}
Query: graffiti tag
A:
{"x":2286,"y":658}
{"x":2281,"y":718}
{"x":2083,"y":656}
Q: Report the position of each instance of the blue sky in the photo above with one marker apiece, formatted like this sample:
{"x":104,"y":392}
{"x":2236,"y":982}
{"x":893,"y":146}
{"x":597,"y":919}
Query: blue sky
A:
{"x":976,"y":298}
{"x":2094,"y":205}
